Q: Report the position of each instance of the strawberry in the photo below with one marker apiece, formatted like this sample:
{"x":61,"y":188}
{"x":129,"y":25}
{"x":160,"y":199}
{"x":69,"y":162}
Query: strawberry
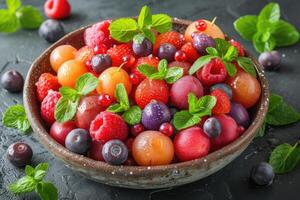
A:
{"x":149,"y":60}
{"x":45,"y":83}
{"x":223,"y":104}
{"x":48,"y":106}
{"x":120,"y":54}
{"x":107,"y":126}
{"x":171,"y":37}
{"x":191,"y":53}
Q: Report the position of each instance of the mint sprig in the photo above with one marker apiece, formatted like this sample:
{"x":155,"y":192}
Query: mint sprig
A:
{"x":170,"y":75}
{"x":267,"y":30}
{"x":197,"y":108}
{"x":66,"y":107}
{"x":33,"y":181}
{"x":125,"y":29}
{"x":131,"y":114}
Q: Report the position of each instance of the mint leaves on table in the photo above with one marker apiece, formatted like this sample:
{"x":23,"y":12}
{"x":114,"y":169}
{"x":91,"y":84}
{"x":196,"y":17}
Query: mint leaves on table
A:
{"x":33,"y":181}
{"x":17,"y":16}
{"x":125,"y":29}
{"x":285,"y":158}
{"x":197,"y":108}
{"x":267,"y":30}
{"x":66,"y":107}
{"x":131,"y":114}
{"x":15,"y":117}
{"x":170,"y":75}
{"x":228,"y":54}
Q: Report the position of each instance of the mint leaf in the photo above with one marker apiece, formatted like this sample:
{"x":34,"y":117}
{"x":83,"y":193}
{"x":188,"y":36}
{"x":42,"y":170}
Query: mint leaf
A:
{"x":246,"y":26}
{"x":161,"y":23}
{"x":149,"y":34}
{"x":285,"y":34}
{"x":65,"y":109}
{"x":192,"y":101}
{"x":257,"y":43}
{"x":212,"y":51}
{"x":13,"y":5}
{"x":274,"y":101}
{"x":222,"y":46}
{"x":138,"y":39}
{"x":231,"y":54}
{"x":116,"y":108}
{"x":29,"y":170}
{"x":146,"y":70}
{"x":264,"y":26}
{"x":39,"y":175}
{"x":9,"y":23}
{"x":173,"y":74}
{"x":23,"y":185}
{"x":270,"y":12}
{"x":145,"y":17}
{"x":123,"y":29}
{"x":162,"y":70}
{"x":183,"y":119}
{"x":42,"y":166}
{"x":121,"y":95}
{"x":230,"y":68}
{"x":133,"y":115}
{"x":86,"y":83}
{"x":29,"y":17}
{"x":247,"y":65}
{"x":200,"y":62}
{"x":68,"y":92}
{"x":15,"y":117}
{"x":284,"y":158}
{"x":47,"y":191}
{"x":205,"y":105}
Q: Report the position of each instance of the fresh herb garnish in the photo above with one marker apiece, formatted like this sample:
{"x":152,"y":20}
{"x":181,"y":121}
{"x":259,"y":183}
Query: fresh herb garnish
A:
{"x":267,"y":30}
{"x":132,"y":115}
{"x":125,"y":29}
{"x":227,"y":53}
{"x":33,"y":181}
{"x":197,"y":109}
{"x":66,"y":107}
{"x":17,"y":16}
{"x":15,"y":117}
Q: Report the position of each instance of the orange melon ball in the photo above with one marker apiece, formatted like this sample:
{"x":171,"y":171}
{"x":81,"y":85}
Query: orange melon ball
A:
{"x":60,"y":55}
{"x":151,"y":148}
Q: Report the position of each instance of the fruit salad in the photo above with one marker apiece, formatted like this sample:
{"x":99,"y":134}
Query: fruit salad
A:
{"x":141,"y":93}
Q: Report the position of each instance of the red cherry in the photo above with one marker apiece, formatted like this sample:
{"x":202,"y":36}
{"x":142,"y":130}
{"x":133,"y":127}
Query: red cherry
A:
{"x":137,"y":129}
{"x":100,"y":49}
{"x":59,"y":131}
{"x":95,"y":151}
{"x":201,"y":25}
{"x":135,"y":79}
{"x":57,"y":9}
{"x":180,"y":56}
{"x":105,"y":100}
{"x":167,"y":129}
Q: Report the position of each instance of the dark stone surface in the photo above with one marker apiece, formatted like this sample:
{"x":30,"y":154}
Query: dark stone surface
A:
{"x":18,"y":50}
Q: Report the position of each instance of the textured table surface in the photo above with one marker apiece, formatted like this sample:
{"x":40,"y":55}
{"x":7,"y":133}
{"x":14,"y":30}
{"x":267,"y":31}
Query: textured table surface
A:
{"x":18,"y":50}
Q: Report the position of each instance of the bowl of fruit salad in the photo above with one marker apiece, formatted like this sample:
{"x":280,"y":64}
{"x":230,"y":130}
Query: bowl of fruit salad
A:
{"x":147,"y":102}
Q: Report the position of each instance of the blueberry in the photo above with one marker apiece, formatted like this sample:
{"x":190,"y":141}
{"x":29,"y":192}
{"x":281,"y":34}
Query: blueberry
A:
{"x":19,"y":154}
{"x":201,"y":41}
{"x":142,"y":49}
{"x":12,"y":81}
{"x":270,"y":60}
{"x":167,"y":51}
{"x":212,"y":127}
{"x":226,"y":88}
{"x":262,"y":174}
{"x":100,"y":62}
{"x":239,"y":113}
{"x":51,"y":30}
{"x":78,"y":141}
{"x":115,"y":152}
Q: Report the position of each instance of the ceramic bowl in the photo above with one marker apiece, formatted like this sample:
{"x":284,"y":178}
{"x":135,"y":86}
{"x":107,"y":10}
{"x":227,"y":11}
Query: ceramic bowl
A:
{"x":136,"y":177}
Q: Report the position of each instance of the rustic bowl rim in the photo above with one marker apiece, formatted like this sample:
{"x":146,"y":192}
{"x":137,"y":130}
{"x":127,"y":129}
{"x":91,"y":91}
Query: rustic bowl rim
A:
{"x":85,"y":162}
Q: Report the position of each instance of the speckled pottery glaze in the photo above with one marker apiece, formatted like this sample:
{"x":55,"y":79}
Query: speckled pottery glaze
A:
{"x":136,"y":177}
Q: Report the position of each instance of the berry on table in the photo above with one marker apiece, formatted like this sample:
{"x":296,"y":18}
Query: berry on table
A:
{"x":46,"y":83}
{"x":201,"y":41}
{"x":95,"y":151}
{"x":172,"y":37}
{"x":19,"y":154}
{"x":167,"y":129}
{"x":137,"y":129}
{"x":224,"y":87}
{"x":166,"y":51}
{"x":60,"y":55}
{"x":51,"y":30}
{"x":142,"y":49}
{"x":12,"y":81}
{"x":57,"y":9}
{"x":262,"y":174}
{"x":78,"y":141}
{"x":223,"y":104}
{"x":201,"y":25}
{"x":48,"y":106}
{"x":212,"y":127}
{"x":100,"y":62}
{"x":190,"y":52}
{"x":105,"y":100}
{"x":270,"y":60}
{"x":59,"y":131}
{"x":115,"y":152}
{"x":180,"y":56}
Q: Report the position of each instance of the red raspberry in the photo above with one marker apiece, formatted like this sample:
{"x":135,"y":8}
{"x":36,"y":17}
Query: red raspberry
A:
{"x":213,"y":72}
{"x":98,"y":34}
{"x":120,"y":54}
{"x":171,"y":37}
{"x":57,"y":9}
{"x":239,"y":47}
{"x":149,"y":60}
{"x":45,"y":83}
{"x":48,"y":106}
{"x":107,"y":126}
{"x":223,"y":104}
{"x":190,"y":52}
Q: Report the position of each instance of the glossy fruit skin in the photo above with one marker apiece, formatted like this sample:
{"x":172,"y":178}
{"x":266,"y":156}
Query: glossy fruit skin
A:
{"x":212,"y":127}
{"x":170,"y":37}
{"x":48,"y":106}
{"x":240,"y":114}
{"x":19,"y":154}
{"x":70,"y":71}
{"x":51,"y":30}
{"x":59,"y":131}
{"x":184,"y":65}
{"x":230,"y":132}
{"x":95,"y":151}
{"x":223,"y":104}
{"x":57,"y":9}
{"x":78,"y":141}
{"x":87,"y":110}
{"x":270,"y":60}
{"x":149,"y":60}
{"x":105,"y":100}
{"x":154,"y":114}
{"x":122,"y":54}
{"x":182,"y":87}
{"x":135,"y":78}
{"x":60,"y":55}
{"x":152,"y":148}
{"x":262,"y":174}
{"x":100,"y":62}
{"x":137,"y":129}
{"x":180,"y":56}
{"x":201,"y":25}
{"x":109,"y":79}
{"x":245,"y":88}
{"x":167,"y":129}
{"x":84,"y":54}
{"x":149,"y":90}
{"x":201,"y":41}
{"x":190,"y":144}
{"x":46,"y":83}
{"x":12,"y":81}
{"x":190,"y":52}
{"x":224,"y":87}
{"x":241,"y":51}
{"x":166,"y":51}
{"x":143,"y":49}
{"x":115,"y":152}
